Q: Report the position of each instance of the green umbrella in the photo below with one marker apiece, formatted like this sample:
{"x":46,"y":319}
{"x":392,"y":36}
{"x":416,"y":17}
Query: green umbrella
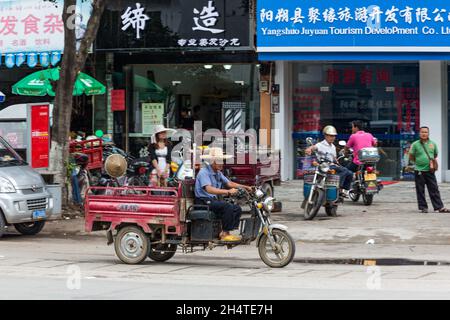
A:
{"x":40,"y":84}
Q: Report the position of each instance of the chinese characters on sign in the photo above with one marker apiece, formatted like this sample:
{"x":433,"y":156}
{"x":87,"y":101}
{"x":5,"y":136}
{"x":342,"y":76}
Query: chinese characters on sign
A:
{"x":362,"y":14}
{"x":135,"y":18}
{"x":207,"y":19}
{"x":40,"y":135}
{"x":213,"y":42}
{"x":349,"y":23}
{"x":152,"y":115}
{"x":204,"y":20}
{"x":33,"y":25}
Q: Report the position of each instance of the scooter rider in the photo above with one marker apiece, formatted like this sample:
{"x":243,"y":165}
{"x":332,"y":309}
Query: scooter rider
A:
{"x":211,"y":183}
{"x":327,"y":147}
{"x":358,"y":140}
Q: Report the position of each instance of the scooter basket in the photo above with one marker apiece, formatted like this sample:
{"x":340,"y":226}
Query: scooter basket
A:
{"x":331,"y":187}
{"x":369,"y":155}
{"x":332,"y":181}
{"x":308,"y":178}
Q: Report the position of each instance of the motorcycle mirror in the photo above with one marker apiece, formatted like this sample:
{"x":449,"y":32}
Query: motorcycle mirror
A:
{"x":342,"y":143}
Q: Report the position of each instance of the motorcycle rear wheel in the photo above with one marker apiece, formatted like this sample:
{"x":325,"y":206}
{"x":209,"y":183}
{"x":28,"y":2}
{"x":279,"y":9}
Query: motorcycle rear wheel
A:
{"x":368,"y":199}
{"x":162,"y":252}
{"x":331,"y":211}
{"x":312,"y":209}
{"x":354,"y":196}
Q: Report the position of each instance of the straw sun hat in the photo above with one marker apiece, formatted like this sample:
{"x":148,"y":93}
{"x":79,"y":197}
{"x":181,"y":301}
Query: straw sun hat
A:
{"x":160,"y":128}
{"x":215,"y":154}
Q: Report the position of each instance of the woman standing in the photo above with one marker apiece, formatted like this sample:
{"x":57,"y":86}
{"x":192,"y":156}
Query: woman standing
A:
{"x":160,"y":151}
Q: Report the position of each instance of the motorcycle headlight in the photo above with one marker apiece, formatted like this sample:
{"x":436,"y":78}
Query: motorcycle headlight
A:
{"x":259,"y":193}
{"x":324,"y":167}
{"x":268,"y":204}
{"x":6,"y":186}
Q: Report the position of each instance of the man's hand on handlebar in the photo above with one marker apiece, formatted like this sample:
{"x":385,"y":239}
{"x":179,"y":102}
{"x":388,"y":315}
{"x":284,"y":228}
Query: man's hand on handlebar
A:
{"x":233,"y":191}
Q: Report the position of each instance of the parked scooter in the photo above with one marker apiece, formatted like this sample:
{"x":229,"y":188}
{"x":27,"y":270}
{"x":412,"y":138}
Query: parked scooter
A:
{"x":81,"y":179}
{"x":366,"y":183}
{"x":320,"y":188}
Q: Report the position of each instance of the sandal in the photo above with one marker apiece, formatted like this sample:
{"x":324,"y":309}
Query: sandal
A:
{"x":444,"y":210}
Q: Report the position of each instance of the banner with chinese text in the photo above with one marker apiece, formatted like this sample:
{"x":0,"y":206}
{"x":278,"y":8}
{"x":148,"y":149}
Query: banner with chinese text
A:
{"x":187,"y":24}
{"x":37,"y":26}
{"x":353,"y":26}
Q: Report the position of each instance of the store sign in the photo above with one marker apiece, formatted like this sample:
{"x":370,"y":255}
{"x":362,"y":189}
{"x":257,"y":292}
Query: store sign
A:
{"x":39,"y":115}
{"x":117,"y":100}
{"x":186,"y":24}
{"x":152,"y":115}
{"x":353,"y":26}
{"x":36,"y":26}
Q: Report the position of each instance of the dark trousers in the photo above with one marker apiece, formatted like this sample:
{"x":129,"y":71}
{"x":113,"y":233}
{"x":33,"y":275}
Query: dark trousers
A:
{"x":345,"y":177}
{"x":352,"y":167}
{"x":230,"y":214}
{"x":427,"y":179}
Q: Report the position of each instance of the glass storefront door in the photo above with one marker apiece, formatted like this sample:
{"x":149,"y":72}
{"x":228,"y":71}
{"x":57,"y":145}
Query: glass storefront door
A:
{"x":385,"y":96}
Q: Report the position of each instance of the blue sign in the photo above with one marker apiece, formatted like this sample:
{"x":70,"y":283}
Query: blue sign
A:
{"x":56,"y":57}
{"x":44,"y":59}
{"x":32,"y":60}
{"x":10,"y":60}
{"x":20,"y":59}
{"x":353,"y":26}
{"x":2,"y":97}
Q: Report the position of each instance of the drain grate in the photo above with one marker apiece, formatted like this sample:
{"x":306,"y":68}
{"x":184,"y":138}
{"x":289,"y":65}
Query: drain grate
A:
{"x":373,"y":262}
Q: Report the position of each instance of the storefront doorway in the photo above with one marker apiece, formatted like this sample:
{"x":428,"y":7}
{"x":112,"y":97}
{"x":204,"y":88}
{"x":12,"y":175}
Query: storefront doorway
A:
{"x":200,"y":92}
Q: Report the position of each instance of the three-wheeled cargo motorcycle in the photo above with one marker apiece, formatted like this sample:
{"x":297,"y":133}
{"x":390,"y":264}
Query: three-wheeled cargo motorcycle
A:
{"x":153,"y":222}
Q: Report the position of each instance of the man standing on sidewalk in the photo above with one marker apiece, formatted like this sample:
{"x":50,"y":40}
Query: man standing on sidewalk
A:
{"x":422,"y":153}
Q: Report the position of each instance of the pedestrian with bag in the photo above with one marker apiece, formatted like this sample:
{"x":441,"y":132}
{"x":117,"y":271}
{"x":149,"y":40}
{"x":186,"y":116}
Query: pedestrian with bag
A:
{"x":423,"y":154}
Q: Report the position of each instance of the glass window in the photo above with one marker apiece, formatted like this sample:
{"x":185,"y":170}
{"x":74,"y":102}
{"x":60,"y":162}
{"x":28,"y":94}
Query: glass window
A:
{"x":178,"y":95}
{"x":385,"y":96}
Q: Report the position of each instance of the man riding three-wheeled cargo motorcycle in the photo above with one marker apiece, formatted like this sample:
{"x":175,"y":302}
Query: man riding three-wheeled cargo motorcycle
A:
{"x":196,"y":213}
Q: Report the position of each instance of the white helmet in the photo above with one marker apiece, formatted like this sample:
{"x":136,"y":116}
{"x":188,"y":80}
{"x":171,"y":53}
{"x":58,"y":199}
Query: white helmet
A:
{"x":330,"y":131}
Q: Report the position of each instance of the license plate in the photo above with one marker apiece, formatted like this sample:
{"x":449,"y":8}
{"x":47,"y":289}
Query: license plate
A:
{"x":370,"y":177}
{"x":39,"y":214}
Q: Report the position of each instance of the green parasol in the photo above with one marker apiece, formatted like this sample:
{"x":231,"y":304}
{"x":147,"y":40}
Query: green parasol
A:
{"x":40,"y":84}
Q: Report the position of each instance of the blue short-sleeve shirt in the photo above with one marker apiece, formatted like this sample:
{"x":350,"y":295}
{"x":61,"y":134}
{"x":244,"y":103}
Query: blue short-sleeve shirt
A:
{"x":207,"y":177}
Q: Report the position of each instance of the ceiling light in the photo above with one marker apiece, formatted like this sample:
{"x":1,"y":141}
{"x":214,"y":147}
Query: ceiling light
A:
{"x":227,"y":66}
{"x":208,"y":66}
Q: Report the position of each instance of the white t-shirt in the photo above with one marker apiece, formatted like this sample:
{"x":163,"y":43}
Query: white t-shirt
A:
{"x":161,"y":154}
{"x":324,"y":147}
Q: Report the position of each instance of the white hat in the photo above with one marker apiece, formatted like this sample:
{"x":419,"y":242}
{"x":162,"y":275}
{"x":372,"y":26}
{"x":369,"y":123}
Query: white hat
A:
{"x":215,"y":154}
{"x":160,"y":128}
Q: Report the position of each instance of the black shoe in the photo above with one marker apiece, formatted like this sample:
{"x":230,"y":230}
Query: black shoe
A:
{"x":424,"y":211}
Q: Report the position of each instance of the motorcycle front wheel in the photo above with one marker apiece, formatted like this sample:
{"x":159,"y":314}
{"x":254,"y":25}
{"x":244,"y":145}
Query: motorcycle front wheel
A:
{"x":284,"y":252}
{"x":311,"y":209}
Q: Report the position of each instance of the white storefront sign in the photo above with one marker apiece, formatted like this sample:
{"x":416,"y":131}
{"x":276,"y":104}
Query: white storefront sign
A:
{"x":36,"y":26}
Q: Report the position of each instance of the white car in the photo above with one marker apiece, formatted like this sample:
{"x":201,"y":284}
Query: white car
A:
{"x":25,"y":201}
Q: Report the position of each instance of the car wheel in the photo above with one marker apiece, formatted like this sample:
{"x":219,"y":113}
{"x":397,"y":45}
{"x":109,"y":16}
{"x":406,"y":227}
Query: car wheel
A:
{"x":31,"y":228}
{"x":2,"y":225}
